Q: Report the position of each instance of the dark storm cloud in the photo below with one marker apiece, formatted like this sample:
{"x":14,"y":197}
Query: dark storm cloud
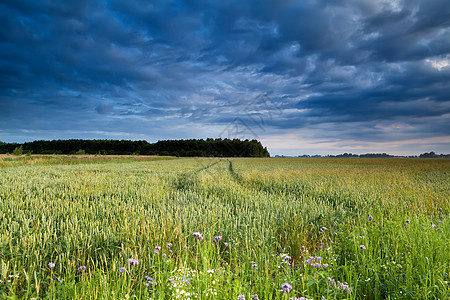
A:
{"x":124,"y":67}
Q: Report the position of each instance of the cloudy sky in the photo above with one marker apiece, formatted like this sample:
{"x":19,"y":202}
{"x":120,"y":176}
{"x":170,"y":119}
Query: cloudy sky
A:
{"x":304,"y":77}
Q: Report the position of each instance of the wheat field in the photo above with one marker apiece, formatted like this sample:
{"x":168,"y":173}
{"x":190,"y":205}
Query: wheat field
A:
{"x":218,"y":228}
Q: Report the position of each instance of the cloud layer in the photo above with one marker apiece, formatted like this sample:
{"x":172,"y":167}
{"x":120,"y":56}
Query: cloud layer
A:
{"x":303,"y":76}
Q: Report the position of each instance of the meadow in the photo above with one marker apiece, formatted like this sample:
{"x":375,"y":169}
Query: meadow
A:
{"x":218,"y":228}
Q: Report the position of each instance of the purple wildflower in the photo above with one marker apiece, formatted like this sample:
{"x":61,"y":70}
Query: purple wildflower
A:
{"x":164,"y":255}
{"x":255,"y":297}
{"x":217,"y":238}
{"x":370,"y":218}
{"x":51,"y":265}
{"x":225,"y":244}
{"x":339,"y":285}
{"x":362,"y":247}
{"x":184,"y":247}
{"x":241,"y":297}
{"x":433,"y":225}
{"x":149,"y":280}
{"x":255,"y":266}
{"x":287,"y":257}
{"x":198,"y":235}
{"x":133,"y":262}
{"x":169,"y":245}
{"x":81,"y":268}
{"x":123,"y":269}
{"x":156,"y":250}
{"x":313,"y":261}
{"x":286,"y":287}
{"x":407,"y":221}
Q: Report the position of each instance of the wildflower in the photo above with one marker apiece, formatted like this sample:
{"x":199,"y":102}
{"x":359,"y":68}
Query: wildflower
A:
{"x":287,"y":257}
{"x":164,"y":255}
{"x":54,"y":278}
{"x":255,"y":266}
{"x":81,"y":268}
{"x":321,"y":244}
{"x":156,"y":250}
{"x":149,"y":281}
{"x":121,"y":270}
{"x":286,"y":287}
{"x":225,"y":244}
{"x":370,"y":218}
{"x":313,"y":262}
{"x":51,"y":265}
{"x":198,"y":235}
{"x":210,"y":271}
{"x":339,"y":285}
{"x":184,"y":247}
{"x":255,"y":297}
{"x":407,"y":221}
{"x":362,"y":247}
{"x":303,"y":248}
{"x":169,"y":245}
{"x":241,"y":297}
{"x":433,"y":225}
{"x":217,"y":238}
{"x":133,"y":262}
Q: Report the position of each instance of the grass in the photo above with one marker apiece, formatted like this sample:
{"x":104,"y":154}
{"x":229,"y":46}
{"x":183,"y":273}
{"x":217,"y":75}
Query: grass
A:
{"x":380,"y":225}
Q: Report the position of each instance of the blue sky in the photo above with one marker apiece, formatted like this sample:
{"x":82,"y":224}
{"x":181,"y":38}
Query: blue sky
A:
{"x":304,"y":77}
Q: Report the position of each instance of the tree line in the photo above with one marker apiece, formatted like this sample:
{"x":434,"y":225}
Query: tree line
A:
{"x":190,"y":147}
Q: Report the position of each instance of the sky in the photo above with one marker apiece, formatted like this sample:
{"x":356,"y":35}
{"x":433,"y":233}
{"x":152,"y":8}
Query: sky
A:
{"x":303,"y":77}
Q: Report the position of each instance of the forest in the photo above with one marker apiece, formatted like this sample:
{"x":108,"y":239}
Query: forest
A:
{"x":191,"y":147}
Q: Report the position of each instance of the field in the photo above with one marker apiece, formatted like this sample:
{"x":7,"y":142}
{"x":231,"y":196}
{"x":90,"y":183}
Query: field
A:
{"x":190,"y":228}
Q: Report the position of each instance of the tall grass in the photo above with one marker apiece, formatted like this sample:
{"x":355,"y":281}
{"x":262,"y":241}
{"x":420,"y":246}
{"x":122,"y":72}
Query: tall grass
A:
{"x":379,"y":226}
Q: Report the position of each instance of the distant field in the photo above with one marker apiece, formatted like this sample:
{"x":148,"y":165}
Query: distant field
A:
{"x":90,"y":227}
{"x":8,"y":160}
